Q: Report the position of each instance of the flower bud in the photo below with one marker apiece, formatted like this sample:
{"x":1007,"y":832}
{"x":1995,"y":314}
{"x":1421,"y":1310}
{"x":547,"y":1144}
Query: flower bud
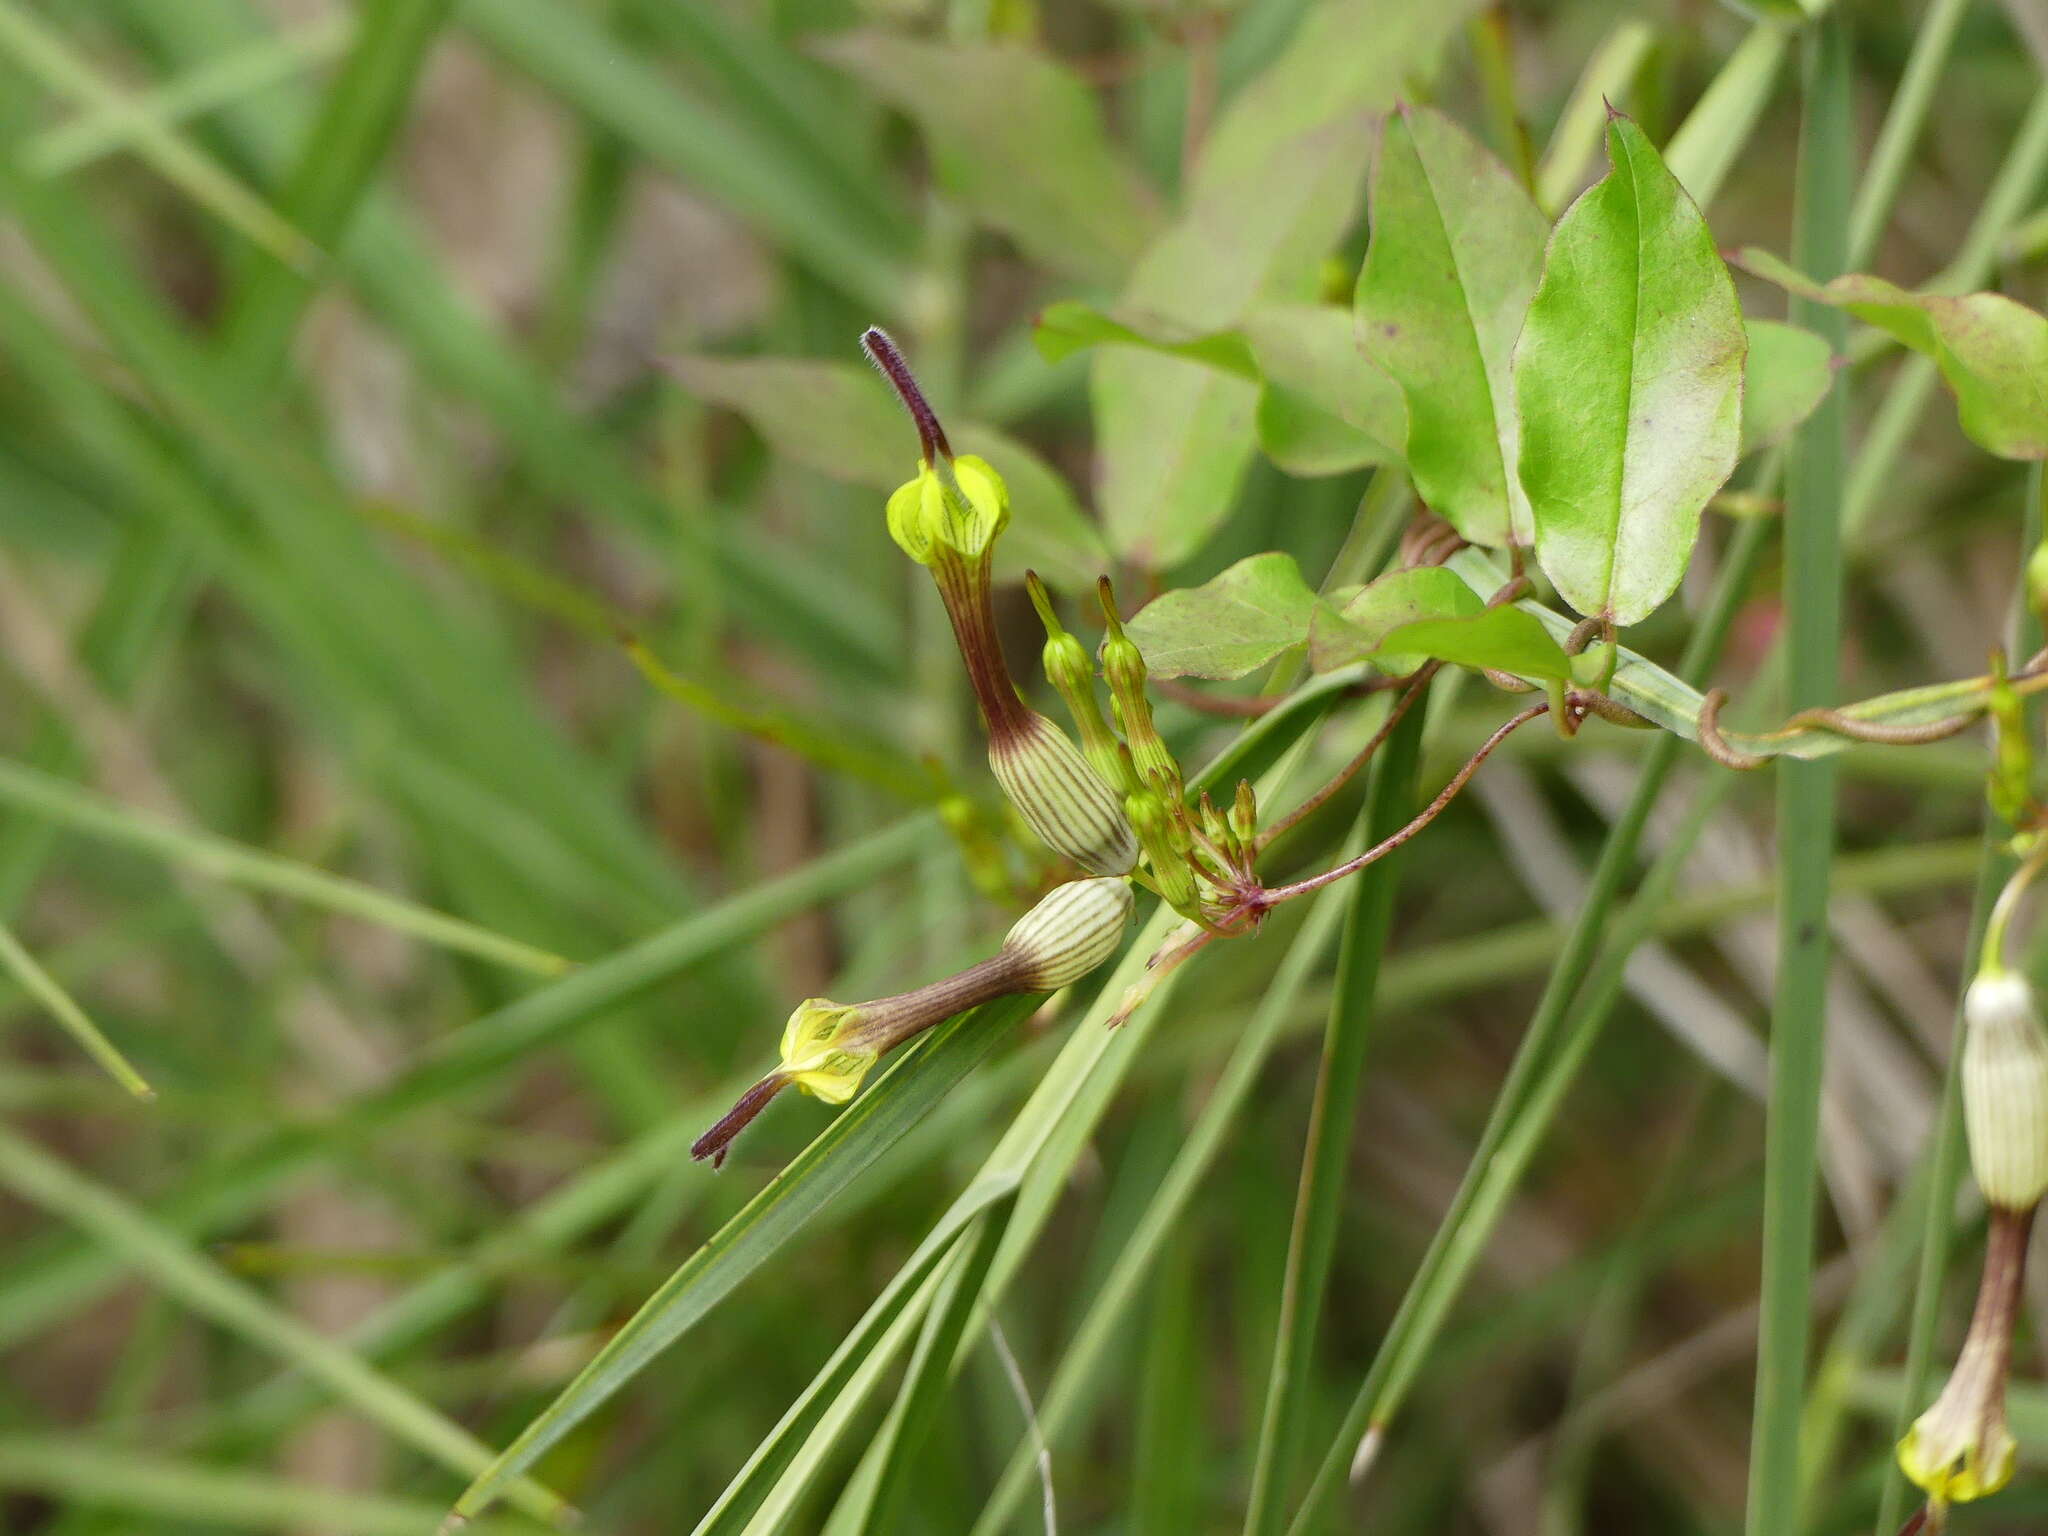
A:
{"x":1072,"y":675}
{"x":1071,"y":931}
{"x":951,"y":509}
{"x":821,"y":1051}
{"x":1123,"y":667}
{"x":1063,"y":799}
{"x":1148,"y":816}
{"x":2005,"y":1089}
{"x":1244,"y":815}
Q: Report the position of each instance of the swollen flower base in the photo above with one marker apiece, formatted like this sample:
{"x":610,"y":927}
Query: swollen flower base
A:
{"x":828,"y":1047}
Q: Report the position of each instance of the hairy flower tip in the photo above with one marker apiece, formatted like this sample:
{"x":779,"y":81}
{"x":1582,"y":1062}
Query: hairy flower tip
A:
{"x":822,"y":1052}
{"x":1960,"y":1449}
{"x":950,"y":509}
{"x":1071,"y":931}
{"x":1061,"y":798}
{"x":2005,"y":1089}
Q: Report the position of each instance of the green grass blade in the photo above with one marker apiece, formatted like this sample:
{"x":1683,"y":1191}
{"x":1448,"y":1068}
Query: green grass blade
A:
{"x":47,"y":56}
{"x":855,"y":248}
{"x":101,"y":1474}
{"x":349,"y":141}
{"x":50,"y":798}
{"x":1812,"y":587}
{"x":167,"y":1262}
{"x":1547,"y":1031}
{"x":856,"y":1137}
{"x":1903,"y":121}
{"x":1104,"y":1323}
{"x":1327,"y":1155}
{"x":46,"y":989}
{"x":1706,"y":145}
{"x":953,"y":1255}
{"x":36,"y":1292}
{"x":926,"y":1383}
{"x":221,"y":81}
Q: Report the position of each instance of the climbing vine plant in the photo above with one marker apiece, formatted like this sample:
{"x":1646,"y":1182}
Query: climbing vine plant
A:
{"x":1556,"y":406}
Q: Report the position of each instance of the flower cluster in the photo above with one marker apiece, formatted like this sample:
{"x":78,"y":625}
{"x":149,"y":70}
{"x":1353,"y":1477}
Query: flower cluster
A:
{"x":1100,"y":805}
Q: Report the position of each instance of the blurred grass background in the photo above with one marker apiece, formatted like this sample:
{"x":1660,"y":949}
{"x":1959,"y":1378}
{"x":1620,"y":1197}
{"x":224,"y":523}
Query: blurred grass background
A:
{"x":335,"y":450}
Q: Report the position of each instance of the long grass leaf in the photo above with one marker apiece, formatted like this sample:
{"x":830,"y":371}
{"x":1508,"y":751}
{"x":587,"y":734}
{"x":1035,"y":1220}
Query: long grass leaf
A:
{"x":48,"y":991}
{"x":1806,"y":818}
{"x":166,"y":1261}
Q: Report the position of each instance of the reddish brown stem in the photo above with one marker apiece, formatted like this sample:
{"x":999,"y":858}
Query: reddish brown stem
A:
{"x":1275,"y":895}
{"x":965,"y":591}
{"x":1414,"y":691}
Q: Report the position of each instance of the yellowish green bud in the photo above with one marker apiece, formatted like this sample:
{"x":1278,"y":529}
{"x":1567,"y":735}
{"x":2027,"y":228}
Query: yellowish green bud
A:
{"x":1123,"y":667}
{"x":951,"y":509}
{"x":1170,"y":870}
{"x":1072,"y":675}
{"x":2005,"y":1089}
{"x":1062,"y":799}
{"x":821,"y":1050}
{"x":1244,"y":814}
{"x":1069,"y":933}
{"x":2037,"y":577}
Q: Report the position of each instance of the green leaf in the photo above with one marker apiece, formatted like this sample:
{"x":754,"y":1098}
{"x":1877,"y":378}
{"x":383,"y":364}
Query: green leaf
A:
{"x":1019,"y":140}
{"x":1070,"y":326}
{"x":840,"y":420}
{"x":1256,"y":610}
{"x":1992,"y":351}
{"x":1275,"y":187}
{"x":1503,"y":639}
{"x":1325,"y":408}
{"x":1456,"y":254}
{"x":1628,"y":380}
{"x":1787,"y":374}
{"x":171,"y":1264}
{"x":1341,"y":634}
{"x":1174,"y":439}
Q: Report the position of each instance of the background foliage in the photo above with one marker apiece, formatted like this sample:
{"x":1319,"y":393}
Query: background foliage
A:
{"x":369,"y":368}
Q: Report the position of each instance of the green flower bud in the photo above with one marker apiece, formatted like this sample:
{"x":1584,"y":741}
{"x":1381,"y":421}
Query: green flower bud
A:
{"x":2005,"y":1089}
{"x":2037,"y":577}
{"x":1123,"y":667}
{"x":1062,"y":799}
{"x":1071,"y":931}
{"x":1244,"y":815}
{"x":1149,"y":818}
{"x":1960,"y":1449}
{"x":951,"y":509}
{"x":1072,"y":676}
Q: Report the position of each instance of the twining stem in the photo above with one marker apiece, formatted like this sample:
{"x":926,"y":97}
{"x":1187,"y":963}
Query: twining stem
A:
{"x":1416,"y":686}
{"x":1272,"y":896}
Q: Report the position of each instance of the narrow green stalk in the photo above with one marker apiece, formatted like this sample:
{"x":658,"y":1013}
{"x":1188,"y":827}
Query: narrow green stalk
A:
{"x":1705,"y":146}
{"x":50,"y":798}
{"x":46,"y":989}
{"x":1318,"y":1207}
{"x":1419,"y":1314}
{"x":1945,"y":1157}
{"x":1806,"y":815}
{"x":360,"y":116}
{"x":50,"y":59}
{"x":1902,"y":124}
